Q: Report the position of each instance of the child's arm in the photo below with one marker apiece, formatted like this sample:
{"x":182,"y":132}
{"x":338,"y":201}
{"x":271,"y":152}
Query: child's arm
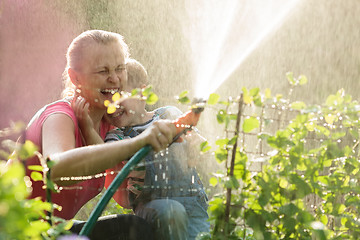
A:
{"x":121,"y":196}
{"x":81,"y":109}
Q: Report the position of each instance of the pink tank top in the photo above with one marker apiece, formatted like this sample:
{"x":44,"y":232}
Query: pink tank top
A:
{"x":71,"y":198}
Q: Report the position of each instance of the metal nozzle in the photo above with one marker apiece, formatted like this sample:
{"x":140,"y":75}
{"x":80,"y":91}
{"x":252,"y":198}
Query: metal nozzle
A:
{"x":198,"y":105}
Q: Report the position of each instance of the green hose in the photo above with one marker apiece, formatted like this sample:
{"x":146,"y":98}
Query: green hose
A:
{"x":120,"y":177}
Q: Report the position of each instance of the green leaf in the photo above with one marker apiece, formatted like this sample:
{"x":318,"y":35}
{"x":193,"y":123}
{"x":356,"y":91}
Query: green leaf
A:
{"x":304,"y":217}
{"x":246,"y":96}
{"x":135,"y":91}
{"x":183,"y":98}
{"x":36,"y":176}
{"x":50,"y":164}
{"x":302,"y":186}
{"x":27,"y":150}
{"x":298,"y":105}
{"x":254,"y":92}
{"x":232,"y":140}
{"x":146,"y":91}
{"x":341,"y":208}
{"x":324,"y":219}
{"x":289,"y":224}
{"x":354,"y":133}
{"x":221,"y":116}
{"x":283,"y":183}
{"x":267,"y":93}
{"x":338,"y":135}
{"x":183,"y":94}
{"x":343,"y":221}
{"x":152,"y":99}
{"x":221,"y":155}
{"x":204,"y":146}
{"x":222,"y":142}
{"x":264,"y":198}
{"x":278,"y":97}
{"x":51,"y":185}
{"x":310,"y":126}
{"x":213,"y":99}
{"x":322,"y":130}
{"x":232,"y":183}
{"x":213,"y":181}
{"x":36,"y":227}
{"x":330,"y":118}
{"x":35,"y":168}
{"x":302,"y":80}
{"x":290,"y":78}
{"x":258,"y":101}
{"x":289,"y":209}
{"x":250,"y":123}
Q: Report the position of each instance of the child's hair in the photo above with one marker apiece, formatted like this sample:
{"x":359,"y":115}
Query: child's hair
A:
{"x":137,"y":74}
{"x":74,"y":52}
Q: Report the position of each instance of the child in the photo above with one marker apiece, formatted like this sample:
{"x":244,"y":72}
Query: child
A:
{"x":163,"y":180}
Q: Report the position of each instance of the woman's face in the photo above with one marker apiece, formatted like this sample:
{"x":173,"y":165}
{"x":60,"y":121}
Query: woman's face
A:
{"x":101,"y":73}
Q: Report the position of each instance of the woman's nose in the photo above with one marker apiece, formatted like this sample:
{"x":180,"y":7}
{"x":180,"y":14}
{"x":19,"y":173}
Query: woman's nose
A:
{"x":123,"y":79}
{"x":113,"y":77}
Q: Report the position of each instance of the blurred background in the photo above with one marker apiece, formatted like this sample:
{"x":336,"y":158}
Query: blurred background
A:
{"x":210,"y":46}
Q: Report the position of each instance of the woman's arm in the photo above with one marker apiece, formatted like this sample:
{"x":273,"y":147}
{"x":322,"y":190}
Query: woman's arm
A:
{"x":59,"y":146}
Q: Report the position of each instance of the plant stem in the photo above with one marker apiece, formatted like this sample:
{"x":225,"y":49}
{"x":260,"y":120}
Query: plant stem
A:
{"x":232,"y":163}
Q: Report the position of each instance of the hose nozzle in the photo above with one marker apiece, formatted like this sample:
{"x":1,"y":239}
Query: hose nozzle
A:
{"x":189,"y":119}
{"x":198,"y":105}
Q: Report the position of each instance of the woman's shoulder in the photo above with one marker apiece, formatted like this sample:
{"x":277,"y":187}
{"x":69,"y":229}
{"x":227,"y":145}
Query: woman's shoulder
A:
{"x":60,"y":106}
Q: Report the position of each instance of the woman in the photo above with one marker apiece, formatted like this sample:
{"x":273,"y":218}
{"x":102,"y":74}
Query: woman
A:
{"x":95,"y":70}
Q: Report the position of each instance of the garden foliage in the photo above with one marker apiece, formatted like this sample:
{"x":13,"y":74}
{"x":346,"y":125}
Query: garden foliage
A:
{"x":316,"y":157}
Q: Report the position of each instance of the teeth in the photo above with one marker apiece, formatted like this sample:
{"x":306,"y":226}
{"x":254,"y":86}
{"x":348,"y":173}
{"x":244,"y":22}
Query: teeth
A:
{"x":118,"y":114}
{"x":112,"y":91}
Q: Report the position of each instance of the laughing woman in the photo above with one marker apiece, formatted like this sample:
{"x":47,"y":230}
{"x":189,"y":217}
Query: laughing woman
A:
{"x":95,"y":70}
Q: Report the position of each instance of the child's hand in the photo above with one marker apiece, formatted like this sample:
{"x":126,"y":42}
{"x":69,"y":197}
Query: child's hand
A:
{"x":81,"y":110}
{"x":86,"y":124}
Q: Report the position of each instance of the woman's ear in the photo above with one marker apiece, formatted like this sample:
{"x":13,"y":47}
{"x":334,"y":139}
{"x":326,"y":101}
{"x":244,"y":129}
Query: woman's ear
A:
{"x":73,"y":77}
{"x":142,"y":87}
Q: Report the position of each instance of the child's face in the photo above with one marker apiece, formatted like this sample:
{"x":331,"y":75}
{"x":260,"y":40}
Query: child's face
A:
{"x":128,"y":114}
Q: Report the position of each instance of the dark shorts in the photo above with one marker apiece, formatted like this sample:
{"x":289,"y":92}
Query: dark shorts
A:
{"x":113,"y":227}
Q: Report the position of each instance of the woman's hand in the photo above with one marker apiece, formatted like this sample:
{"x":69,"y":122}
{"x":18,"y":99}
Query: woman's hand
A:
{"x":159,"y":135}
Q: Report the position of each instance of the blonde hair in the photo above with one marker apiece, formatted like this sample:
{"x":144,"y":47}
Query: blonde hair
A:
{"x":137,"y":74}
{"x":75,"y":50}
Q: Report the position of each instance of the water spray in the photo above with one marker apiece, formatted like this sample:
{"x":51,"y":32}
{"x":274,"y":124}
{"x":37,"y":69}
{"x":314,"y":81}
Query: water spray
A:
{"x":183,"y":124}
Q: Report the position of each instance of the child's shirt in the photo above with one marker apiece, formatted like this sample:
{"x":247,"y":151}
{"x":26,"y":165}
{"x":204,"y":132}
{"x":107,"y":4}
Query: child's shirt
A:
{"x":162,"y":175}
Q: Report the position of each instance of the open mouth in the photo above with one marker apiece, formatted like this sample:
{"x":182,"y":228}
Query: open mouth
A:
{"x":119,"y":112}
{"x":109,"y":92}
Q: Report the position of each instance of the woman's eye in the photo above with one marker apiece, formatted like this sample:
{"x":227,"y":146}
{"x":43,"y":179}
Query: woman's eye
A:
{"x":120,"y":68}
{"x":103,"y":71}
